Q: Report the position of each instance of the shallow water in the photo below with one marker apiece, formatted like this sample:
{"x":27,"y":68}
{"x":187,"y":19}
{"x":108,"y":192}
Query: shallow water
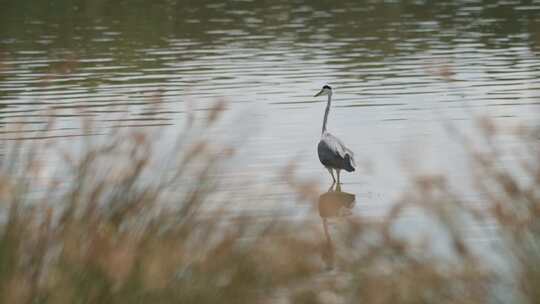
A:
{"x":400,"y":71}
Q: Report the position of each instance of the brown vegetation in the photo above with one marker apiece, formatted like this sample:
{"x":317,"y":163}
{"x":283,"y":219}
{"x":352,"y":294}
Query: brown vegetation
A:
{"x":108,"y":236}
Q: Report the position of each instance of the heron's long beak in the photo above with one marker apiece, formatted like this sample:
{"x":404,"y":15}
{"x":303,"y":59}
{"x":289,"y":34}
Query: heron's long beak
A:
{"x":320,"y":92}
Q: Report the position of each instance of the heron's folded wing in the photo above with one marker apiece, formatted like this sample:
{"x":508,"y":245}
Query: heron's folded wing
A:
{"x":338,"y":146}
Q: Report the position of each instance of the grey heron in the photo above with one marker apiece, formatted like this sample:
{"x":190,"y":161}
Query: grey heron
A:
{"x":332,"y":152}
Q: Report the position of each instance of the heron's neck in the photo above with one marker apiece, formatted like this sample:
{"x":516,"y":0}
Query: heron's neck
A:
{"x":326,"y":113}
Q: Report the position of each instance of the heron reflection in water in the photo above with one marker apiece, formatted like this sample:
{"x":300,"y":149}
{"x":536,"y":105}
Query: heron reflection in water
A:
{"x":333,"y":204}
{"x":332,"y":152}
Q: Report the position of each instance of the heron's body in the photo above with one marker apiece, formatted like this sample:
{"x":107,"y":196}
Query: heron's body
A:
{"x":333,"y":154}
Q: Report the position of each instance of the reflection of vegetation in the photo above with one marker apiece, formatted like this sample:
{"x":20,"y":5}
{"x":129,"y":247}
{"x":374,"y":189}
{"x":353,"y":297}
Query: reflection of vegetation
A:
{"x":112,"y":235}
{"x":378,"y":28}
{"x":112,"y":39}
{"x":140,"y":21}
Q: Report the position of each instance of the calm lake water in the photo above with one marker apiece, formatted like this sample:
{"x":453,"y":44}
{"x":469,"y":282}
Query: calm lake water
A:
{"x":400,"y":71}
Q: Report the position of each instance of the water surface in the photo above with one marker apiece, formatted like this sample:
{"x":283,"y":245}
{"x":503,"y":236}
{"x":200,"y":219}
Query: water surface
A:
{"x":401,"y":71}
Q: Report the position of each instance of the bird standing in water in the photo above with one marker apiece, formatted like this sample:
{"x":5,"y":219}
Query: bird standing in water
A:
{"x":332,"y":152}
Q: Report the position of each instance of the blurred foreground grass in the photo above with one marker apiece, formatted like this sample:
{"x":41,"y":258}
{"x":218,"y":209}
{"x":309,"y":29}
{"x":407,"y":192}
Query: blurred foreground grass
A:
{"x":108,"y":235}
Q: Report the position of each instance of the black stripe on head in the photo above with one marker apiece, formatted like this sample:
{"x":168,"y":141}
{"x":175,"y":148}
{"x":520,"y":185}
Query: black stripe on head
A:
{"x":326,"y":87}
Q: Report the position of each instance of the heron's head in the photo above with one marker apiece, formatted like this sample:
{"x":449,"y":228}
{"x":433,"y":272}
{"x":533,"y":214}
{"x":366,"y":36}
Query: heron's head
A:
{"x":326,"y":90}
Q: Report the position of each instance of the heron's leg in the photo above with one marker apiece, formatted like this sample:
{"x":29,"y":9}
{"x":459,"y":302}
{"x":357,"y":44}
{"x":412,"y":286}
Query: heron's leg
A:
{"x":338,"y":171}
{"x":332,"y":174}
{"x":331,"y":187}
